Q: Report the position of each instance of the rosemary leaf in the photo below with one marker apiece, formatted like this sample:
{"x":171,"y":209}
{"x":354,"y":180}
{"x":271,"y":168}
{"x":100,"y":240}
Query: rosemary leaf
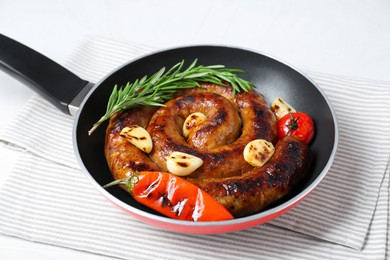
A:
{"x":160,"y":87}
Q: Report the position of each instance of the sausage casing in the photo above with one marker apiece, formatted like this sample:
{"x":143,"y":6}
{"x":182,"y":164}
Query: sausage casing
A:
{"x":232,"y":122}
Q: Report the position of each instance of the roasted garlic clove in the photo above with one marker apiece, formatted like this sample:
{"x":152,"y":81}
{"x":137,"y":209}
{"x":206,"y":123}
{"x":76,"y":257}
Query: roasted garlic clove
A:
{"x":193,"y":121}
{"x":183,"y":164}
{"x":139,"y":137}
{"x":281,"y":108}
{"x":258,"y":152}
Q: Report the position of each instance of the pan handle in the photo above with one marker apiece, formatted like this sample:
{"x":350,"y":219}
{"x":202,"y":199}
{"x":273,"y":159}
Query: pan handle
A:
{"x":58,"y":85}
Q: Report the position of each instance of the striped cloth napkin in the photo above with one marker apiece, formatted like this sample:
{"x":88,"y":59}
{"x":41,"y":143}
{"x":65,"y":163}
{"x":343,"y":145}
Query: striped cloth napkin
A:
{"x":46,"y":198}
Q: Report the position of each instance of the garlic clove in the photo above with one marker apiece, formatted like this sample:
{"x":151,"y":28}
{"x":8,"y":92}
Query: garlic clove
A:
{"x":258,"y":152}
{"x":183,"y":164}
{"x":139,"y":137}
{"x":281,"y":108}
{"x":193,"y":121}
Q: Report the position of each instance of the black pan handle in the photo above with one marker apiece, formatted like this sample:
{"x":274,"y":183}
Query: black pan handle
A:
{"x":58,"y":85}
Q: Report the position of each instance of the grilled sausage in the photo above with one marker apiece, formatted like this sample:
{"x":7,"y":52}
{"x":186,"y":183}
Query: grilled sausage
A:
{"x":223,"y":139}
{"x":233,"y":121}
{"x":123,"y":158}
{"x":259,"y":187}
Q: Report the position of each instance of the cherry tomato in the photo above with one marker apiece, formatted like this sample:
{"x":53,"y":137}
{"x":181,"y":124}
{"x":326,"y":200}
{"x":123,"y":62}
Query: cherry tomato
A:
{"x":298,"y":124}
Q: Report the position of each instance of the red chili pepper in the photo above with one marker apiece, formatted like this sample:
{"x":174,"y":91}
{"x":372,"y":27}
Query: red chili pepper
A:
{"x":173,"y":197}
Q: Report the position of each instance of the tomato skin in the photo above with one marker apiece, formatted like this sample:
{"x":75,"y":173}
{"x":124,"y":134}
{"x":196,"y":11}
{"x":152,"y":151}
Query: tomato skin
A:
{"x":298,"y":124}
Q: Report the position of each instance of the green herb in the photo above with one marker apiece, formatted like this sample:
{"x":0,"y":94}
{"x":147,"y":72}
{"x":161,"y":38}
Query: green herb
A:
{"x":160,"y":87}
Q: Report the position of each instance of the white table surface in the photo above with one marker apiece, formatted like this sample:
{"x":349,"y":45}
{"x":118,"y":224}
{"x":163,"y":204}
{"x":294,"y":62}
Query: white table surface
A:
{"x":349,"y":38}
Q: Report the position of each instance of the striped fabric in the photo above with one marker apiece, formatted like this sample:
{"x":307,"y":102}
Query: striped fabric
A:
{"x":346,"y":216}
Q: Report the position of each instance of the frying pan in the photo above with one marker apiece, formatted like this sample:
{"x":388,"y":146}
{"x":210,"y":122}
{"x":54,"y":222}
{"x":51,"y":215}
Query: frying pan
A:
{"x":87,"y":103}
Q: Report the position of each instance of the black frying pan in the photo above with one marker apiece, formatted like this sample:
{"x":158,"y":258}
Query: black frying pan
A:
{"x":87,"y":102}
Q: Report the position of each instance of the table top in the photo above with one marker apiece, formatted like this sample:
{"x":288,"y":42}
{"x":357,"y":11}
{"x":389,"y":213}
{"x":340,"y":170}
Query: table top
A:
{"x":348,"y":38}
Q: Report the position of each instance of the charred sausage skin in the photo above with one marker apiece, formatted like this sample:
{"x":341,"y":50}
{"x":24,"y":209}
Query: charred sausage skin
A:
{"x":259,"y":187}
{"x":123,"y":158}
{"x":233,"y":121}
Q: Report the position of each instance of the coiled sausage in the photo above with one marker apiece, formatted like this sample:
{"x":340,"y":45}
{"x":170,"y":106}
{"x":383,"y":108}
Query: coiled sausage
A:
{"x":232,"y":122}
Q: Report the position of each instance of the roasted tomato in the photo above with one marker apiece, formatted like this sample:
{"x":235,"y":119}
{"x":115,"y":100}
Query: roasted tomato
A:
{"x":298,"y":124}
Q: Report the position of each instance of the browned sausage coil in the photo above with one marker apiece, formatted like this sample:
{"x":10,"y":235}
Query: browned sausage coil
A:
{"x":233,"y":121}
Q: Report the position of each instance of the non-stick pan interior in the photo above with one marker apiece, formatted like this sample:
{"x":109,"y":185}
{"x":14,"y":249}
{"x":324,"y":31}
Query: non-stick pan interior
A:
{"x":272,"y":78}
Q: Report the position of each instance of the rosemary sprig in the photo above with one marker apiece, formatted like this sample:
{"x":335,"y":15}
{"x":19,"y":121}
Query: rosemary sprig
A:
{"x":160,"y":87}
